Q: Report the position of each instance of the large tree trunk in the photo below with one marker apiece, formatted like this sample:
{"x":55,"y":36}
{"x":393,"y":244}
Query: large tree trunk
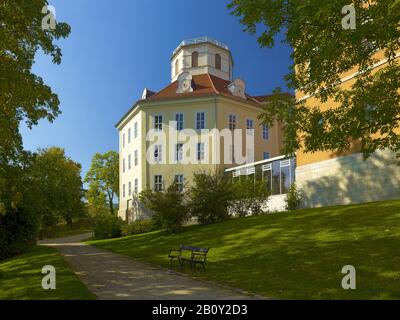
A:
{"x":110,"y":201}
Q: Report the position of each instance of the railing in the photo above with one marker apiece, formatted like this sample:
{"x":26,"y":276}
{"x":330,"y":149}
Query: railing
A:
{"x":200,"y":40}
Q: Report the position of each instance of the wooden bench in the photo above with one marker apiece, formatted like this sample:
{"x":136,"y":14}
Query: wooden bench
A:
{"x":193,"y":255}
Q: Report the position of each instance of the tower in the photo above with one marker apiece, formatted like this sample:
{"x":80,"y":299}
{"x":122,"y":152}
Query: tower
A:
{"x":200,"y":56}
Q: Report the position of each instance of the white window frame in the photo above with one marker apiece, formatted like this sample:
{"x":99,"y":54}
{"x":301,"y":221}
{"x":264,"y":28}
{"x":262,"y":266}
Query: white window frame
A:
{"x":264,"y":153}
{"x":182,"y":122}
{"x":179,"y":152}
{"x":158,"y":126}
{"x":129,"y":161}
{"x":123,"y":191}
{"x":129,"y":188}
{"x":180,"y":184}
{"x":249,"y":128}
{"x":135,"y":130}
{"x":123,"y":165}
{"x":197,"y":122}
{"x":136,"y":186}
{"x":123,"y":140}
{"x":129,"y":135}
{"x":265,"y":132}
{"x":232,"y":121}
{"x":158,"y":185}
{"x":136,"y":158}
{"x":200,"y":151}
{"x":158,"y":148}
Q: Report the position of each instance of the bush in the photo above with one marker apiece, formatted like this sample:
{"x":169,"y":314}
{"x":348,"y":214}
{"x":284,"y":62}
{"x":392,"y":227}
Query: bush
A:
{"x":138,"y":227}
{"x":18,"y":232}
{"x":249,"y":196}
{"x":209,"y":197}
{"x":293,"y":198}
{"x":168,"y":209}
{"x":107,"y":226}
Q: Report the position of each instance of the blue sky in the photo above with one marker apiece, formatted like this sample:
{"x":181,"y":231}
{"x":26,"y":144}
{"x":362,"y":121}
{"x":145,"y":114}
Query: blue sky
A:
{"x":117,"y":48}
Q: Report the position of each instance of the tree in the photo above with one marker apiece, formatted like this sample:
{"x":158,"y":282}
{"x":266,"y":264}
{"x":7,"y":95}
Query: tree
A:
{"x":323,"y":50}
{"x":168,"y":208}
{"x":97,"y":202}
{"x":57,"y":187}
{"x":23,"y":95}
{"x":103,"y":176}
{"x":209,"y":197}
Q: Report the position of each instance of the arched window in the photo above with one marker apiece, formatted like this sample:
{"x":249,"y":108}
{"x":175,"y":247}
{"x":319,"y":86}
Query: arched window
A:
{"x":195,"y":59}
{"x":217,"y":61}
{"x":176,"y":67}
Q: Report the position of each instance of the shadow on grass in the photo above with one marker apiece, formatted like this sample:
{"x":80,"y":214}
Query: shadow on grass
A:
{"x":297,"y":255}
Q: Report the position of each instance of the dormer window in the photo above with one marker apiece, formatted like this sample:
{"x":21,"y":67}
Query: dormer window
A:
{"x":195,"y":59}
{"x":217,"y":62}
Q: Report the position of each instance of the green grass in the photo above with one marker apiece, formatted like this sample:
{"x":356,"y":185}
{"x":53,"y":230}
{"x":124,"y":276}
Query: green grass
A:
{"x":296,"y":255}
{"x":21,"y":278}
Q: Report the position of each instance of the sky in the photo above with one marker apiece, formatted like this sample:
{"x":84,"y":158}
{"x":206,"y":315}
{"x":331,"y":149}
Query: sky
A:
{"x":117,"y":48}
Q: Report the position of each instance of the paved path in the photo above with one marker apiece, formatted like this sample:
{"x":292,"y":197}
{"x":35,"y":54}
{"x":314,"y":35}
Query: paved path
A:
{"x":113,"y":276}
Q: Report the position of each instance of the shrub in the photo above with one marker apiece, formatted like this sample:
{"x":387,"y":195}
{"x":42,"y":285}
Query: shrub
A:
{"x":138,"y":227}
{"x":293,"y":198}
{"x":18,"y":232}
{"x":107,"y":226}
{"x":249,"y":196}
{"x":168,"y":209}
{"x":209,"y":197}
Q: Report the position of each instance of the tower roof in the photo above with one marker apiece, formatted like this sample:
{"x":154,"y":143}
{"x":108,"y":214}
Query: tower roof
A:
{"x":200,"y":40}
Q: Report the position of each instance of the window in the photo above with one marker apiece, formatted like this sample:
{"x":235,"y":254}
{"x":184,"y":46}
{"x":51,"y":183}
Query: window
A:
{"x":267,"y":176}
{"x":179,"y":152}
{"x":158,"y":122}
{"x":123,"y":165}
{"x":123,"y":191}
{"x":123,"y":140}
{"x":179,"y":121}
{"x":265,"y":132}
{"x":265,"y":155}
{"x":129,"y":135}
{"x":250,"y":126}
{"x":200,"y":151}
{"x":158,"y":153}
{"x":232,"y":122}
{"x":179,"y":182}
{"x":158,"y":183}
{"x":217,"y":61}
{"x":135,"y":130}
{"x":129,"y":162}
{"x":285,"y":176}
{"x":136,"y":186}
{"x":195,"y":59}
{"x":136,"y":158}
{"x":200,"y":120}
{"x":129,"y":188}
{"x":176,"y":67}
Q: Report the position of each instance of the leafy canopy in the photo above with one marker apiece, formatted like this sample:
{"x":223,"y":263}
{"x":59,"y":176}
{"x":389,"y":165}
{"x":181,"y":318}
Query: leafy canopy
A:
{"x":103,"y":179}
{"x":369,"y":111}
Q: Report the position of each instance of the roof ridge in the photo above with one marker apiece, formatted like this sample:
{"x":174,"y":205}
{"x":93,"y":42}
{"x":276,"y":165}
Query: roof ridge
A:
{"x":212,"y":83}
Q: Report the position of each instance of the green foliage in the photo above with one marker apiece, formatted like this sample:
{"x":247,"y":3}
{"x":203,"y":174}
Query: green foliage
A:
{"x":293,"y":198}
{"x":103,"y":179}
{"x":80,"y":226}
{"x":249,"y":196}
{"x":17,"y":232}
{"x":368,"y":112}
{"x":169,"y":211}
{"x":209,"y":197}
{"x":107,"y":226}
{"x":58,"y":189}
{"x":138,"y":227}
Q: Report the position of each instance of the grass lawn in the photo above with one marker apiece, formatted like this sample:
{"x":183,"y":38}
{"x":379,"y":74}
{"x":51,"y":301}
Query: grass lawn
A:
{"x":296,"y":255}
{"x":21,"y":278}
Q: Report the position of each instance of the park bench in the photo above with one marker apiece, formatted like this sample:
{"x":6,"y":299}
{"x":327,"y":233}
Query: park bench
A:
{"x":193,"y":255}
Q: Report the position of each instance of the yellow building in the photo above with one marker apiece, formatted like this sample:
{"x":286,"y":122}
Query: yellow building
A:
{"x":328,"y":178}
{"x":185,"y":128}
